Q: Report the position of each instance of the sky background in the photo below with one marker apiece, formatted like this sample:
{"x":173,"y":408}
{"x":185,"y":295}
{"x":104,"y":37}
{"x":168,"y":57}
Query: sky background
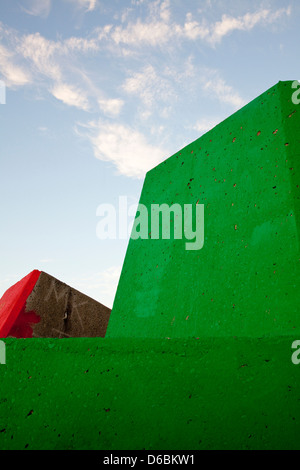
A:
{"x":100,"y":91}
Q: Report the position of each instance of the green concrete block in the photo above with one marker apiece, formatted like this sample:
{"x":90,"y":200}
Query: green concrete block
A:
{"x":132,"y":394}
{"x":235,"y":387}
{"x":245,"y":280}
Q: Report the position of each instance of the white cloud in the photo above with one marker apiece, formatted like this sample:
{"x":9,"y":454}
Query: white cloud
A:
{"x":165,"y":12}
{"x":182,"y":71}
{"x":51,"y":59}
{"x":217,"y":87}
{"x":88,"y":5}
{"x":126,"y":148}
{"x":41,"y":52}
{"x":111,"y":107}
{"x":70,"y":95}
{"x":245,"y":23}
{"x":13,"y":74}
{"x":37,"y":7}
{"x":103,"y":32}
{"x":137,"y":2}
{"x":192,"y":29}
{"x":53,"y":64}
{"x":159,"y":9}
{"x":55,"y":59}
{"x":157,"y":30}
{"x":80,"y":44}
{"x":149,"y":86}
{"x":139,"y":33}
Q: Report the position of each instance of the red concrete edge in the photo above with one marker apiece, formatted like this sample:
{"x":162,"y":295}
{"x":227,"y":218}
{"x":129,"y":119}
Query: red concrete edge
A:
{"x":14,"y":300}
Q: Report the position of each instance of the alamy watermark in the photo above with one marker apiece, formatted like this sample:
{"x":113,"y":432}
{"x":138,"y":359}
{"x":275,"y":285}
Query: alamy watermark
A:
{"x":296,"y":94}
{"x":2,"y":353}
{"x":159,"y":221}
{"x":295,"y":356}
{"x":2,"y":92}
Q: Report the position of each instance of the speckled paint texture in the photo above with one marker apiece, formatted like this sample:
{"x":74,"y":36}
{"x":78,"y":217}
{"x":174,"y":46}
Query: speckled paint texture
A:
{"x":245,"y":280}
{"x":217,"y":393}
{"x":225,"y":378}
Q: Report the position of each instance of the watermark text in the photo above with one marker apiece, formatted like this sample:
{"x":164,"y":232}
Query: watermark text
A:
{"x":157,"y":222}
{"x":2,"y":353}
{"x":296,"y":94}
{"x":2,"y":92}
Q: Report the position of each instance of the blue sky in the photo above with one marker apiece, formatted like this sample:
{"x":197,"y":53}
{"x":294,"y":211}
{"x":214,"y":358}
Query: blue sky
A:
{"x":97,"y":93}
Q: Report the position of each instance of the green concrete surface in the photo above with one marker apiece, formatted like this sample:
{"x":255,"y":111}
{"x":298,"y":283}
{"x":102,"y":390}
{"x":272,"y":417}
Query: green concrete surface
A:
{"x":217,"y":393}
{"x":245,"y":280}
{"x":198,"y":348}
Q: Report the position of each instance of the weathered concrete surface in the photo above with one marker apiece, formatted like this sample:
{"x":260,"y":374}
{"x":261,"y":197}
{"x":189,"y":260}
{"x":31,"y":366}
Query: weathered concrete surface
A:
{"x":52,"y":309}
{"x":245,"y":280}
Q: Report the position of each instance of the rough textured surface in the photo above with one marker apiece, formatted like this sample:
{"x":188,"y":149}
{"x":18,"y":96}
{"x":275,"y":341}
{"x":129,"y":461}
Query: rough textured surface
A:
{"x":82,"y":393}
{"x":245,"y":280}
{"x":64,"y":311}
{"x":42,"y":306}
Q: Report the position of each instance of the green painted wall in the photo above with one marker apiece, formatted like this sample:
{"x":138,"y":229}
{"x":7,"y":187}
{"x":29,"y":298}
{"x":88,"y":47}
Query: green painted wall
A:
{"x":89,"y":393}
{"x":233,"y":388}
{"x":245,"y":280}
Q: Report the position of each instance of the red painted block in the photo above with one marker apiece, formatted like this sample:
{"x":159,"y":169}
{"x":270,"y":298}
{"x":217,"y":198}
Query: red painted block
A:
{"x":42,"y":306}
{"x":13,"y":319}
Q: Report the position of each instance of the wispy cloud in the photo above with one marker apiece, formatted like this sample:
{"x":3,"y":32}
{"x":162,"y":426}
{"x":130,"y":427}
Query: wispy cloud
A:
{"x":158,"y":29}
{"x":79,"y":44}
{"x":123,"y":146}
{"x":165,"y":10}
{"x":37,"y":7}
{"x":217,"y":88}
{"x":42,"y":54}
{"x":88,"y":5}
{"x":247,"y":22}
{"x":149,"y":86}
{"x":71,"y":96}
{"x":50,"y":58}
{"x":141,"y":33}
{"x":14,"y":74}
{"x":192,"y":29}
{"x":52,"y":65}
{"x":54,"y":61}
{"x":111,"y":107}
{"x":143,"y":89}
